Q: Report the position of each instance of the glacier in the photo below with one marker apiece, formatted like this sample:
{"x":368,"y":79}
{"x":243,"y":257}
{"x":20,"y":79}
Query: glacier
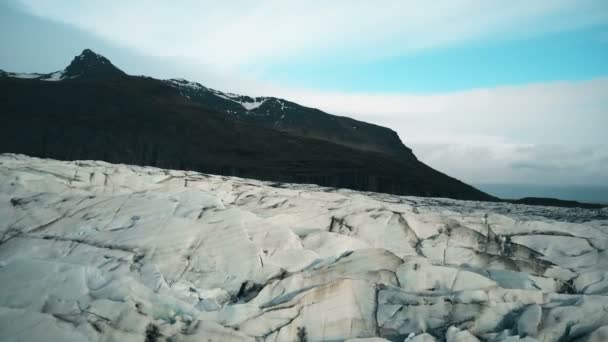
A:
{"x":92,"y":251}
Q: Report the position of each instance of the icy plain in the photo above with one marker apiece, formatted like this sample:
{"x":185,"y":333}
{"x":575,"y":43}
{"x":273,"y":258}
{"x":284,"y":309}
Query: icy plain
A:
{"x":91,"y":251}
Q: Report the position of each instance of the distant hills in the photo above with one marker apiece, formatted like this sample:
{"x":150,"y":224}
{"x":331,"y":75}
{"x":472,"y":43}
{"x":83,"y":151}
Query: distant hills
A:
{"x":553,"y":202}
{"x":580,"y":193}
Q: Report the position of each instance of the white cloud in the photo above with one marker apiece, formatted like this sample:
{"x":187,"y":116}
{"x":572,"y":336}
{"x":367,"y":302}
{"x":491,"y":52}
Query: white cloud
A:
{"x":546,"y":133}
{"x":519,"y":163}
{"x":227,"y":34}
{"x":536,"y":113}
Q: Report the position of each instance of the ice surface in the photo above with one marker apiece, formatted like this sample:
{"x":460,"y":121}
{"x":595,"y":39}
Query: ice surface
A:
{"x":91,"y":251}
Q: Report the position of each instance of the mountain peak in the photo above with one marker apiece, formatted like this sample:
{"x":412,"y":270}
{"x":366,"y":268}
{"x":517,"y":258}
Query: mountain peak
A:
{"x":91,"y":64}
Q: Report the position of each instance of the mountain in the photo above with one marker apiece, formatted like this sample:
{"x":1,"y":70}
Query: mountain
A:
{"x":87,"y":65}
{"x":91,"y":65}
{"x":286,"y":116}
{"x":93,"y":110}
{"x":91,"y":251}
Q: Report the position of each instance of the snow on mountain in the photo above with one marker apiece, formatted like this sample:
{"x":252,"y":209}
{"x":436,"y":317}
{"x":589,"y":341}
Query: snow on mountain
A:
{"x":23,"y":75}
{"x":55,"y":76}
{"x":252,"y":105}
{"x":95,"y":251}
{"x":186,"y":87}
{"x":90,"y":62}
{"x":180,"y":82}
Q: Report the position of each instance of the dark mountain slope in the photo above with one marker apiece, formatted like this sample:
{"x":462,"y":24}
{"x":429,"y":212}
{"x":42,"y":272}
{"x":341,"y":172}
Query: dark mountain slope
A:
{"x":286,"y":116}
{"x":91,"y":65}
{"x":139,"y":120}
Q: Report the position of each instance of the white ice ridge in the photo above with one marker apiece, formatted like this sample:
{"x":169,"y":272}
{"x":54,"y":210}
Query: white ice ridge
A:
{"x":91,"y":251}
{"x":55,"y":76}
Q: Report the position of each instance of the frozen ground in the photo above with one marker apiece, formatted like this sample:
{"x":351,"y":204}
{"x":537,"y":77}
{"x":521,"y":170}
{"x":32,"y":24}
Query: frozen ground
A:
{"x":102,"y":252}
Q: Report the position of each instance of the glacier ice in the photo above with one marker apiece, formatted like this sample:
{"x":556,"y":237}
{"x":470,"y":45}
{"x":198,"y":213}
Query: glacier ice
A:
{"x":92,"y":251}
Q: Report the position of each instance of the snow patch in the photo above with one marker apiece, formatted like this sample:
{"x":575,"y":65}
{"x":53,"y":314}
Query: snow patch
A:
{"x":252,"y":105}
{"x":56,"y":76}
{"x":246,"y":102}
{"x":23,"y":75}
{"x":180,"y":82}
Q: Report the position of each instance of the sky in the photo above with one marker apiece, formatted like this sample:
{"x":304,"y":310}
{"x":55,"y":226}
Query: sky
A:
{"x":487,"y":91}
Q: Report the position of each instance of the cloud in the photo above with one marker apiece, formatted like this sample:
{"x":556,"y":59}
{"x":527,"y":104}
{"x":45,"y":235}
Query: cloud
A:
{"x":545,"y":133}
{"x":241,"y":33}
{"x":520,"y":163}
{"x":570,"y":112}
